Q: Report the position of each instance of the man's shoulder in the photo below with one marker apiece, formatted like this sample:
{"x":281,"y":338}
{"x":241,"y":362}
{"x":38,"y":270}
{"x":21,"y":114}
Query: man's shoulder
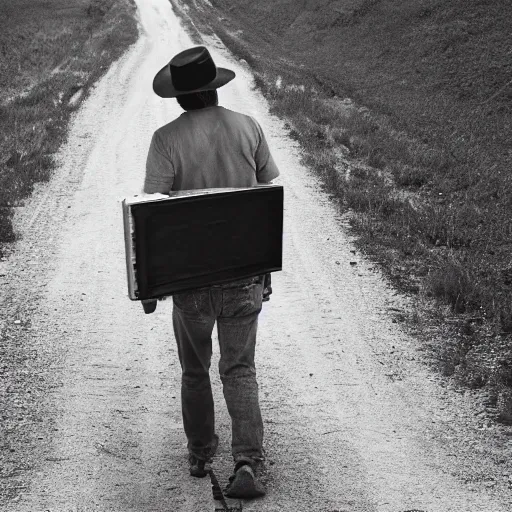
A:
{"x":243,"y":123}
{"x":238,"y":115}
{"x":187,"y":121}
{"x":170,"y":128}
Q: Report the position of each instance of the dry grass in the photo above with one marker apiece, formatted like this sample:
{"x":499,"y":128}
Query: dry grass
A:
{"x":54,"y":51}
{"x":423,"y":167}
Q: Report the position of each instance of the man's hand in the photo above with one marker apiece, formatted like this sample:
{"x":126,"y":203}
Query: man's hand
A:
{"x":267,"y":288}
{"x":149,"y":305}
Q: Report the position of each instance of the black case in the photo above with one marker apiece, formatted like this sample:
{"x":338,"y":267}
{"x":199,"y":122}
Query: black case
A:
{"x":198,"y":238}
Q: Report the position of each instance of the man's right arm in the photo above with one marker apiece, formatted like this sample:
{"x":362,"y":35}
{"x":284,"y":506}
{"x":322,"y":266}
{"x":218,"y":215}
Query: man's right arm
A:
{"x":159,"y":169}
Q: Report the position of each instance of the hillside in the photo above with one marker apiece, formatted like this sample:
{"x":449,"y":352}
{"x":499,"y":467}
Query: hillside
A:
{"x":414,"y":98}
{"x":51,"y":54}
{"x":439,"y":68}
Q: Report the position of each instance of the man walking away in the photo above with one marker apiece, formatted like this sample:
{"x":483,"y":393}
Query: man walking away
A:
{"x":209,"y":146}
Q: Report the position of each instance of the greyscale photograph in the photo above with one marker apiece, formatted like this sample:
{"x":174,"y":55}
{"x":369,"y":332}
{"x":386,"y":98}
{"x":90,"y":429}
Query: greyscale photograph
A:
{"x":255,"y":255}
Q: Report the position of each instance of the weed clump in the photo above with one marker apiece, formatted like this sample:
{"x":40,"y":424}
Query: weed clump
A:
{"x":452,"y":284}
{"x":408,"y":176}
{"x":98,"y":8}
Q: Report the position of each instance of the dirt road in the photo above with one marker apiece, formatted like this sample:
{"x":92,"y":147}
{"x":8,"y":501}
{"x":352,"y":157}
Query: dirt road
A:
{"x":92,"y":420}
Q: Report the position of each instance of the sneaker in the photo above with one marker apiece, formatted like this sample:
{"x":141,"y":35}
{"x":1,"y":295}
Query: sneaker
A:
{"x":197,"y":467}
{"x":243,"y":483}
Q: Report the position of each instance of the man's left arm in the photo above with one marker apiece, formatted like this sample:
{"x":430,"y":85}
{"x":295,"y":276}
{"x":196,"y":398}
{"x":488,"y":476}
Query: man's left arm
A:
{"x":266,"y":169}
{"x":159,"y":169}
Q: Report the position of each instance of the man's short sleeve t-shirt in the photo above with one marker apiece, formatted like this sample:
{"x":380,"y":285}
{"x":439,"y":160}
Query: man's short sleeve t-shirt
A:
{"x":208,"y":148}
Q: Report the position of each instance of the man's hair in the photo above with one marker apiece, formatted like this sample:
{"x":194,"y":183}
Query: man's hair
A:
{"x":197,"y":100}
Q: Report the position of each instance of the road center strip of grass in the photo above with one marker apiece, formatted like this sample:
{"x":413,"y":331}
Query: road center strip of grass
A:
{"x":52,"y":53}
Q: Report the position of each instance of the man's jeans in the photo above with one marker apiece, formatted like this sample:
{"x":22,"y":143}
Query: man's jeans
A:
{"x":235,"y":307}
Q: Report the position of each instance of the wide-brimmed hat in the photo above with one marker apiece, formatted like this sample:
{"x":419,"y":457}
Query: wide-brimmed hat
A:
{"x":192,"y":70}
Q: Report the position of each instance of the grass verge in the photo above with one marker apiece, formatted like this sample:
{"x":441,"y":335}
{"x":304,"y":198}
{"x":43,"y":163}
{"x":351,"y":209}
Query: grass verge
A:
{"x":54,"y":52}
{"x":433,"y":209}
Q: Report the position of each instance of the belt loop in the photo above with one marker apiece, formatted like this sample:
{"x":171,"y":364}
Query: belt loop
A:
{"x":211,"y":291}
{"x":216,"y":300}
